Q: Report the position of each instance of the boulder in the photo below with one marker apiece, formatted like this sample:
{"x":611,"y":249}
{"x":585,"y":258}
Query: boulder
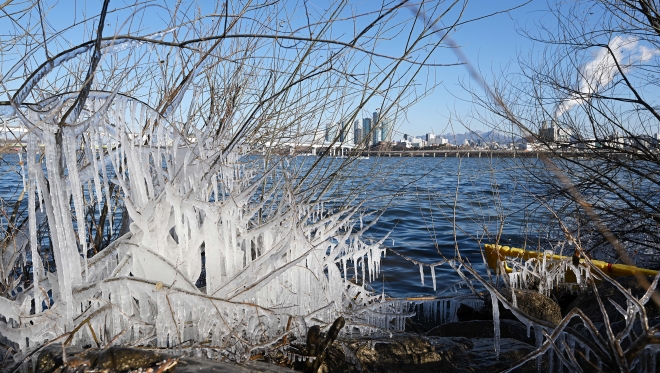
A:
{"x":484,"y":329}
{"x":406,"y":352}
{"x":588,"y":302}
{"x":122,"y":359}
{"x":530,"y":302}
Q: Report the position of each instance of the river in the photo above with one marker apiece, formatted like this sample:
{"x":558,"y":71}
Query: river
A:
{"x":432,"y":206}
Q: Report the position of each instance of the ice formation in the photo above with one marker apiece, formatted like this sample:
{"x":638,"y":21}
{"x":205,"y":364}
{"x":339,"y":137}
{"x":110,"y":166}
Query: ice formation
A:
{"x":274,"y":262}
{"x":546,"y":273}
{"x":630,"y":349}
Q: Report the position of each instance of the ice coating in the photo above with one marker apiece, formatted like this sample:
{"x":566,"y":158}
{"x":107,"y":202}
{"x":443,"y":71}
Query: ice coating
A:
{"x":269,"y":255}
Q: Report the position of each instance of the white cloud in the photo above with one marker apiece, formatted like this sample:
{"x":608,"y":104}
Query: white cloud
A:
{"x":599,"y":72}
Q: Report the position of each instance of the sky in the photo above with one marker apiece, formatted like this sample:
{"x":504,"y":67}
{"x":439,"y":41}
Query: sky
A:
{"x":491,"y":45}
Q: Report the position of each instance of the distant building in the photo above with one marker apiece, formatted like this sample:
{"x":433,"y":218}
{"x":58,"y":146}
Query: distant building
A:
{"x":416,"y":142}
{"x":412,"y":142}
{"x":366,"y":128}
{"x":376,"y":127}
{"x":330,"y":132}
{"x":551,"y":132}
{"x":387,"y":130}
{"x":318,"y":136}
{"x":432,"y":139}
{"x":357,"y":132}
{"x":531,"y":146}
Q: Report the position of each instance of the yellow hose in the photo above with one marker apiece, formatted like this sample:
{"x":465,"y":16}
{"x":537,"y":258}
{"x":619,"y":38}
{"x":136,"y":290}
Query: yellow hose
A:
{"x":495,"y":252}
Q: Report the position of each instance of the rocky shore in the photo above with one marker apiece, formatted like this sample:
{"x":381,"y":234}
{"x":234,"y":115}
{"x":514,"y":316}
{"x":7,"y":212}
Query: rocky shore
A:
{"x":465,"y":345}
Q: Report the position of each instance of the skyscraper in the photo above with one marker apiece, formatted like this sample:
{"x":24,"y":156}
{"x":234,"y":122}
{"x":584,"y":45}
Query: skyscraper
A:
{"x":341,"y":131}
{"x":330,"y":133}
{"x":366,"y":128}
{"x":357,"y":132}
{"x":376,"y":124}
{"x":387,"y":129}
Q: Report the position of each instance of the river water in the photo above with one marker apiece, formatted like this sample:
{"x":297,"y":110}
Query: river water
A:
{"x":448,"y":204}
{"x":432,"y":207}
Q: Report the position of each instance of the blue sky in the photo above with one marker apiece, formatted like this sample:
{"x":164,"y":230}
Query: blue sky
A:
{"x":491,"y":44}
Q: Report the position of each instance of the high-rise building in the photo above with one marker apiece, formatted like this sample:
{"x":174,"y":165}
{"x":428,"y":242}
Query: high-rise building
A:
{"x":341,"y":131}
{"x":376,"y":127}
{"x":357,"y":132}
{"x":330,"y":132}
{"x":319,"y":136}
{"x":366,"y":128}
{"x":386,"y":130}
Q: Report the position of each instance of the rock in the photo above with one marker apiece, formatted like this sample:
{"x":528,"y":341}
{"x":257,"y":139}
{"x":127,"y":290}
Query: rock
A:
{"x":193,"y":365}
{"x":564,"y":297}
{"x":484,"y":329}
{"x":405,"y":352}
{"x":467,"y":313}
{"x":50,"y":358}
{"x":588,"y":302}
{"x":121,"y":359}
{"x":530,"y":302}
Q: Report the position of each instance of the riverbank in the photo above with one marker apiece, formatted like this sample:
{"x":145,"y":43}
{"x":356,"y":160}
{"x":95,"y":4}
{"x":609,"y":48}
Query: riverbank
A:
{"x":465,"y":344}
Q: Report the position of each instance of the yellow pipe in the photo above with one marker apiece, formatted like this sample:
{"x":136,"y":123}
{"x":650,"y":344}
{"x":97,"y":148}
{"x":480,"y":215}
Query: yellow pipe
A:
{"x":495,"y":252}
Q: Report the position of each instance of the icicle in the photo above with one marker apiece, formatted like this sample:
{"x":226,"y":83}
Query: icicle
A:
{"x":433,"y":276}
{"x":104,"y":172}
{"x":66,"y":253}
{"x":95,"y":173}
{"x":69,"y":144}
{"x":22,"y":164}
{"x":496,"y":324}
{"x":40,"y":195}
{"x":538,"y":335}
{"x":133,"y":119}
{"x":421,"y":272}
{"x":37,"y":265}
